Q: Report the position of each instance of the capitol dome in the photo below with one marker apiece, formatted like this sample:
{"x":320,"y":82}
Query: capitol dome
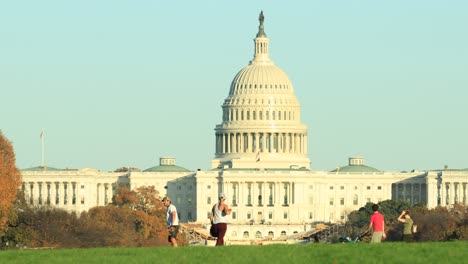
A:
{"x":261,"y":117}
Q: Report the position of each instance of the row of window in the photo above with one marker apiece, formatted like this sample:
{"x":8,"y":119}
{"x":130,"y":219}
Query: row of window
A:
{"x":355,"y":187}
{"x":259,"y":234}
{"x":355,"y":200}
{"x":260,"y":86}
{"x":259,"y":218}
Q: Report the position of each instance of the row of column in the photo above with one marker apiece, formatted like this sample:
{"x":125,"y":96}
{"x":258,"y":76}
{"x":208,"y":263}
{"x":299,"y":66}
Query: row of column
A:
{"x":235,"y":115}
{"x":65,"y":193}
{"x":415,"y":193}
{"x":50,"y":193}
{"x":261,"y":142}
{"x":453,"y":193}
{"x":260,"y":193}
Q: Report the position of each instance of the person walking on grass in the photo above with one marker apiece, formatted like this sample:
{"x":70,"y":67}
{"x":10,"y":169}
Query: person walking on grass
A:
{"x":172,"y":221}
{"x":377,"y":224}
{"x":218,"y":218}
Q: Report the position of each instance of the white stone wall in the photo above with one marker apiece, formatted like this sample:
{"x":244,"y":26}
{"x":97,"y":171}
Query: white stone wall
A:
{"x":297,"y":197}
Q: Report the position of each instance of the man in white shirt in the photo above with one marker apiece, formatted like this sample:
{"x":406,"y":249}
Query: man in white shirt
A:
{"x":172,"y":221}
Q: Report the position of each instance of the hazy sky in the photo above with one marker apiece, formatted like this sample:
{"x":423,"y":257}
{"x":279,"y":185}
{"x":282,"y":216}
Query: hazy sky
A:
{"x":122,"y":83}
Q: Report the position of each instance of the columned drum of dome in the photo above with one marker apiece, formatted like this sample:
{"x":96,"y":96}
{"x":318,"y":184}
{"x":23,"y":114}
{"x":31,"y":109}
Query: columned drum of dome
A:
{"x":261,"y":126}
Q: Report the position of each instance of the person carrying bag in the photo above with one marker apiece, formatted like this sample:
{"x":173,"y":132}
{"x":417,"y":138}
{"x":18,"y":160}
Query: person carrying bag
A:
{"x":218,"y":219}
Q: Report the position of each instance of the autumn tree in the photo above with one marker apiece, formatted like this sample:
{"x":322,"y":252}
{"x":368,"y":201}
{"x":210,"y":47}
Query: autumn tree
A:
{"x":10,"y":180}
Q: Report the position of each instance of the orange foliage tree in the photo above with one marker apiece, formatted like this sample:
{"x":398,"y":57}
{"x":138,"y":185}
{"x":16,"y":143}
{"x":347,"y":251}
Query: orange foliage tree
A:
{"x":10,"y":180}
{"x":147,"y":208}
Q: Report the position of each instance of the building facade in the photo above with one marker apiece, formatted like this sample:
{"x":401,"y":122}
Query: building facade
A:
{"x":260,"y":163}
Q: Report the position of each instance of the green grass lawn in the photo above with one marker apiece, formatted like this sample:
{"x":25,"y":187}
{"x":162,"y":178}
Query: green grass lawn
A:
{"x":435,"y":252}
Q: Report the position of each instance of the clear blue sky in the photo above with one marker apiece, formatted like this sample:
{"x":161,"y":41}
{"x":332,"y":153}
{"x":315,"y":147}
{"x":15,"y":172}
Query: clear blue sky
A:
{"x":122,"y":83}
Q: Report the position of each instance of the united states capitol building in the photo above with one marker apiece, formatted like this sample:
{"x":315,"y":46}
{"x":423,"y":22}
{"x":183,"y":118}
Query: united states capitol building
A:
{"x":261,"y":163}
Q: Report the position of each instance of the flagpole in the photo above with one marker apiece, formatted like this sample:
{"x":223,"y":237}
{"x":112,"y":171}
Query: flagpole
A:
{"x":42,"y":141}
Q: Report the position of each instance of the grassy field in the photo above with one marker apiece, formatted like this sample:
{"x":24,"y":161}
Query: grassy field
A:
{"x":440,"y":252}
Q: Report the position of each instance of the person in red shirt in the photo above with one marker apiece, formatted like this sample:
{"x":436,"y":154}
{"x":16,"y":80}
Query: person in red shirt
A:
{"x":377,"y":222}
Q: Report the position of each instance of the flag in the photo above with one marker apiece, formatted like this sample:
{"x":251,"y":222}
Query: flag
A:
{"x":257,"y":158}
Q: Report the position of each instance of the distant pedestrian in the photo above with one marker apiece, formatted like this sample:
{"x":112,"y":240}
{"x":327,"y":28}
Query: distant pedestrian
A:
{"x":405,"y":218}
{"x":172,"y":221}
{"x":377,"y":224}
{"x":218,"y":218}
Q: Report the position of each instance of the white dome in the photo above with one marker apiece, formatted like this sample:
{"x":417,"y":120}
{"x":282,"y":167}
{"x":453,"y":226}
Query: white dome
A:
{"x":261,"y":125}
{"x":261,"y":78}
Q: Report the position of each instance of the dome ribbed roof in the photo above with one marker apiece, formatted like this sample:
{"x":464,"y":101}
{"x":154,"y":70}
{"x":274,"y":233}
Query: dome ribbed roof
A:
{"x":256,"y":78}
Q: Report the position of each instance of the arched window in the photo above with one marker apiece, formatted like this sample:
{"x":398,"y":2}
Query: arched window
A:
{"x":271,"y":234}
{"x":258,"y":234}
{"x":283,"y":233}
{"x":254,"y":115}
{"x":246,"y":234}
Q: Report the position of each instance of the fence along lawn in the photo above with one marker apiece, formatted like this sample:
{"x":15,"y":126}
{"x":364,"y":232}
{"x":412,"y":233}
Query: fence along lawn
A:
{"x":432,"y":252}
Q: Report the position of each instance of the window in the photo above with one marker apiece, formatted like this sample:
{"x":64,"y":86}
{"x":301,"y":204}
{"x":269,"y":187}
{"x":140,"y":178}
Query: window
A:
{"x":246,"y":234}
{"x":379,"y":187}
{"x":342,"y":187}
{"x":249,"y":215}
{"x":331,"y":201}
{"x":258,"y":234}
{"x":234,"y":215}
{"x":208,"y":200}
{"x":270,"y":215}
{"x":331,"y":187}
{"x":285,"y":215}
{"x":283,"y":233}
{"x":311,"y":215}
{"x":249,"y":194}
{"x":208,"y":214}
{"x":341,"y":201}
{"x":355,"y":199}
{"x":270,"y":234}
{"x":368,"y":187}
{"x":208,"y":187}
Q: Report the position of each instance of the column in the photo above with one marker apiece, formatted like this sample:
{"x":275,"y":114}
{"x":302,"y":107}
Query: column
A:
{"x":60,"y":193}
{"x":452,"y":193}
{"x":35,"y":193}
{"x":305,"y":143}
{"x":229,"y":148}
{"x":234,"y":145}
{"x":465,"y":199}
